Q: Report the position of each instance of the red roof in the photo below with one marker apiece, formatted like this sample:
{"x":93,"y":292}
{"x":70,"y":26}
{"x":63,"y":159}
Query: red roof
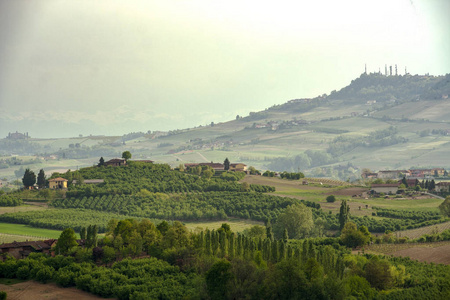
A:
{"x":58,"y":179}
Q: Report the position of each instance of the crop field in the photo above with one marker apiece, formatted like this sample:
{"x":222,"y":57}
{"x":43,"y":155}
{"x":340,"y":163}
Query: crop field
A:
{"x":13,"y":209}
{"x":438,"y":252}
{"x":237,"y":225}
{"x":418,"y":232}
{"x":28,"y":231}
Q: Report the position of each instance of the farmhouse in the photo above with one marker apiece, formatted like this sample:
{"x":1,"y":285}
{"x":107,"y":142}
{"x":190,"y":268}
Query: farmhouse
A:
{"x":410,"y":182}
{"x":387,"y":188}
{"x":116,"y":162}
{"x":57,"y":183}
{"x":442,"y":187}
{"x":438,"y":172}
{"x":238,"y":167}
{"x":20,"y":250}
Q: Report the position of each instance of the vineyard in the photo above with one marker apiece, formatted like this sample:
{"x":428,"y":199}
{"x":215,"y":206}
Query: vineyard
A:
{"x":187,"y":206}
{"x":63,"y":218}
{"x":429,"y":230}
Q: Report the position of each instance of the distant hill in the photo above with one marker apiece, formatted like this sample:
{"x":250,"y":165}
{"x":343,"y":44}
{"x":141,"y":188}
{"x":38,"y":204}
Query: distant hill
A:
{"x":375,"y":122}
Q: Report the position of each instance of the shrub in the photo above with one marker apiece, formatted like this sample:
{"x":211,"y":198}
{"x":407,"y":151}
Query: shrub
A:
{"x":331,"y":199}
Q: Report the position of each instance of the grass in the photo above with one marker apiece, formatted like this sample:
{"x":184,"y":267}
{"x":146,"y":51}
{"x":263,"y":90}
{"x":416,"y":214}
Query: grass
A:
{"x":429,"y":204}
{"x":13,"y":209}
{"x":28,"y":231}
{"x":237,"y":225}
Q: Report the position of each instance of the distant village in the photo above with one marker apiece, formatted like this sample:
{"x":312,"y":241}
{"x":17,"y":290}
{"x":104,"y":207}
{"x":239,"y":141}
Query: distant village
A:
{"x":391,"y":181}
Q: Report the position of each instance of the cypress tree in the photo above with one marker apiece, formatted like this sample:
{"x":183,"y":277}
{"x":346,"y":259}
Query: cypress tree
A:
{"x":41,"y":179}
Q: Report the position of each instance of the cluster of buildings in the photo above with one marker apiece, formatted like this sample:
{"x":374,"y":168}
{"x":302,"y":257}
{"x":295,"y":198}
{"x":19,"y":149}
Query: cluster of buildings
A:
{"x":412,"y":174}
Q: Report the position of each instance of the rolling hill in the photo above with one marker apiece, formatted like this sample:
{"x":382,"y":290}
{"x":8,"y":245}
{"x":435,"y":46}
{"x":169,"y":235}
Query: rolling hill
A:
{"x":375,"y":122}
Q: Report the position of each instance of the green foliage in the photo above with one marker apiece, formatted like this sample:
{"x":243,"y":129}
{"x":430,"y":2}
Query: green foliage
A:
{"x":352,"y":237}
{"x":217,"y":279}
{"x":29,"y":178}
{"x":41,"y":179}
{"x":63,"y":218}
{"x":126,"y":155}
{"x":66,"y":241}
{"x":344,"y":213}
{"x":297,"y":219}
{"x":137,"y":176}
{"x":10,"y":200}
{"x":444,"y":207}
{"x":331,"y":199}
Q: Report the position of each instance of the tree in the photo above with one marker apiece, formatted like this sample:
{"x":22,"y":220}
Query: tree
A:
{"x":226,"y":164}
{"x":331,"y":198}
{"x":405,"y":182}
{"x":101,"y":162}
{"x":218,"y":278}
{"x":431,"y":185}
{"x":445,"y":207}
{"x":66,"y":241}
{"x":352,"y":237}
{"x":41,"y":179}
{"x":298,"y":221}
{"x":29,"y":178}
{"x":344,"y":213}
{"x":378,"y":274}
{"x":126,"y":155}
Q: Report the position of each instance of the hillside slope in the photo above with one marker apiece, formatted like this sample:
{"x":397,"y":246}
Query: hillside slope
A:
{"x":376,"y":122}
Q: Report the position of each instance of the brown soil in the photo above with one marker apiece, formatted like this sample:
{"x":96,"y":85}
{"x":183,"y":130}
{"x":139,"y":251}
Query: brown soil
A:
{"x":439,"y":255}
{"x":37,"y":291}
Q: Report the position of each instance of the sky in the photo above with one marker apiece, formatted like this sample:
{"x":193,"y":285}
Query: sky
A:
{"x":119,"y":66}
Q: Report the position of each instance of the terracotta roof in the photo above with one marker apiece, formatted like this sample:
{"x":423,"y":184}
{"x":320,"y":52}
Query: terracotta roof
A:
{"x":115,"y":160}
{"x":58,"y":179}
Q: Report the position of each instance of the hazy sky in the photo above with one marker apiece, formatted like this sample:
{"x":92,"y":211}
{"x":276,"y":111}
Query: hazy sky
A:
{"x":112,"y":67}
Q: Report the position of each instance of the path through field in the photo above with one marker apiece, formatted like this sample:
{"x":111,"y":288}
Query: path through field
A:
{"x":38,"y":291}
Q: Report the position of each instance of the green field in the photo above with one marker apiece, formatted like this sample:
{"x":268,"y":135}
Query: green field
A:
{"x":28,"y":232}
{"x":237,"y":225}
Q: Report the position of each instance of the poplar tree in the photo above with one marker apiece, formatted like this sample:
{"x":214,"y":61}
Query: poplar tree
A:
{"x":344,"y":213}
